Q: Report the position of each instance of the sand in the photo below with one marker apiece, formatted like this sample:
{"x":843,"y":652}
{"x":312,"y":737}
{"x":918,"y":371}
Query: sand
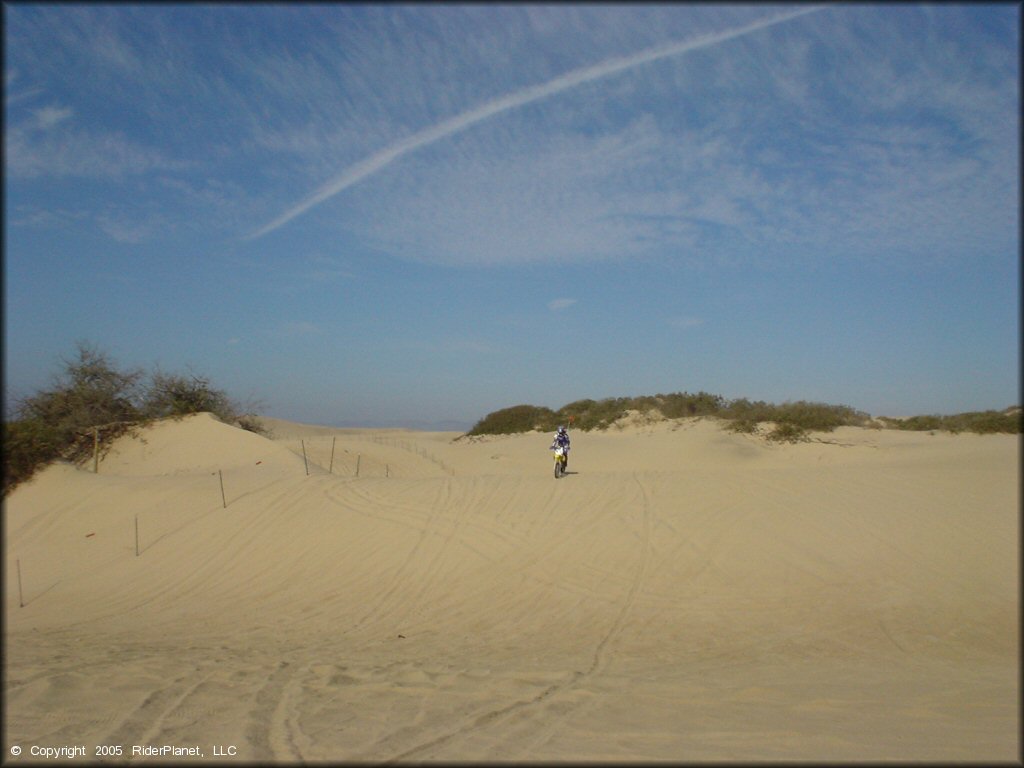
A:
{"x":684,"y":594}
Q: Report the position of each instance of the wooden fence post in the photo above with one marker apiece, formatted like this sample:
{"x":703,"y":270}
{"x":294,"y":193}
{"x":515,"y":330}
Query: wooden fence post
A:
{"x":223,"y":498}
{"x":304,"y":459}
{"x":95,"y":450}
{"x":330,"y":470}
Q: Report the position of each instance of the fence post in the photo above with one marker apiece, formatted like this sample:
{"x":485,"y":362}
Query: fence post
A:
{"x":330,"y":470}
{"x":359,"y":456}
{"x":223,"y":498}
{"x":304,"y":459}
{"x":95,"y":450}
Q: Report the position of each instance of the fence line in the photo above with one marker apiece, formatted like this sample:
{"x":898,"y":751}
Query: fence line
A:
{"x":378,"y":439}
{"x":419,"y":450}
{"x":313,"y":456}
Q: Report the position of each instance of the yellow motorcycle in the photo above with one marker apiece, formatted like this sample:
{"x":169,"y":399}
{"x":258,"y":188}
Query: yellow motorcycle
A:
{"x":561,"y":460}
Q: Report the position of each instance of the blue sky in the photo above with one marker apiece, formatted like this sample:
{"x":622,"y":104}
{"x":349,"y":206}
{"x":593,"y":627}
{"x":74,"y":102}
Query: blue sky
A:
{"x":418,"y":214}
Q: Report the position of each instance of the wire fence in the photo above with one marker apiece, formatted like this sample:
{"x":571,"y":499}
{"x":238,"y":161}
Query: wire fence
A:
{"x":321,"y":457}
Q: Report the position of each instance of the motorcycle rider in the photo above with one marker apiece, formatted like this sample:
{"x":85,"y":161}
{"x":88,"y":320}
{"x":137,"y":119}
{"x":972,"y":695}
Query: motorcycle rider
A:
{"x":562,"y":439}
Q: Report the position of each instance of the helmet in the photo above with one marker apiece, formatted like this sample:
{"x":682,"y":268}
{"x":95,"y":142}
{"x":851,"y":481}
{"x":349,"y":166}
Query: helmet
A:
{"x":561,"y":430}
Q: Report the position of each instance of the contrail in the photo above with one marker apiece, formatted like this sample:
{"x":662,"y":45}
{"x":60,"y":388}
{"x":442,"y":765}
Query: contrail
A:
{"x":461,"y":122}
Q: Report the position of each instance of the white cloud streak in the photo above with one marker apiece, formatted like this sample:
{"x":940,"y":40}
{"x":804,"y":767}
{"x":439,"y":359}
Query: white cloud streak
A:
{"x":47,"y":117}
{"x":557,"y":305}
{"x":461,"y":122}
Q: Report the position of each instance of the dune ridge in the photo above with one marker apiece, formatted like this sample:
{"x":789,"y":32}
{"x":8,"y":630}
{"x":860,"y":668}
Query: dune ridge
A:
{"x":683,"y":594}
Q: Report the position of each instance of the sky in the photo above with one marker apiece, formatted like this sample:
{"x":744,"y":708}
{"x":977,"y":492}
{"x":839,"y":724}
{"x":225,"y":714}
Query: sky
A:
{"x":414,"y":215}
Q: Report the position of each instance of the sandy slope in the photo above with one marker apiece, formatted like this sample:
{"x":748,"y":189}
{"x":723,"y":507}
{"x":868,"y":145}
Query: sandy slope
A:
{"x":684,"y":594}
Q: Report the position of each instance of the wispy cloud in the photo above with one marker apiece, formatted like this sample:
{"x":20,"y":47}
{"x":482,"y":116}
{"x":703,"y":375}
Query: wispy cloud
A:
{"x":557,"y":305}
{"x":327,"y":269}
{"x":519,"y":199}
{"x":125,"y":229}
{"x":46,"y":218}
{"x":81,"y":154}
{"x":667,"y":153}
{"x":47,"y":117}
{"x":461,"y":122}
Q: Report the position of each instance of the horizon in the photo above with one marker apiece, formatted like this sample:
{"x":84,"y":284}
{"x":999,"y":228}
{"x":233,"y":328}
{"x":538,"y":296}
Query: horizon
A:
{"x":423,"y":214}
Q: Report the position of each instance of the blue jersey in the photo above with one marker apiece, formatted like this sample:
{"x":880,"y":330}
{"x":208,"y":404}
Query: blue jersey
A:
{"x":561,"y":439}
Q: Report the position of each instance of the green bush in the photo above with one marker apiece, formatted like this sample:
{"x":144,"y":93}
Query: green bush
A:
{"x":594,"y":414}
{"x":745,"y":412}
{"x":787,"y":432}
{"x":741,"y":414}
{"x":809,"y":416}
{"x":743,"y":426}
{"x":92,"y":399}
{"x":518,"y":418}
{"x":28,"y":445}
{"x":991,"y":422}
{"x":177,"y":395}
{"x":980,"y":422}
{"x":794,"y":420}
{"x":680,"y":405}
{"x":919,"y":423}
{"x":819,"y":417}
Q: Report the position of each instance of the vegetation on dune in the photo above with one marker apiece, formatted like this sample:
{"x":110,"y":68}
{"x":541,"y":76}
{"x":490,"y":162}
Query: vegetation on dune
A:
{"x":980,"y":422}
{"x":793,"y":421}
{"x":591,"y":414}
{"x":91,"y":400}
{"x":518,"y":418}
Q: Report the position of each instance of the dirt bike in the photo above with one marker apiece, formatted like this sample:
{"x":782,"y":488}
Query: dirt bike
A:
{"x":561,"y":459}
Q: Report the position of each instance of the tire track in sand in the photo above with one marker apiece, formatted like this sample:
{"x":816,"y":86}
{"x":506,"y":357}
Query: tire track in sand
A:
{"x":145,"y":723}
{"x":409,"y":561}
{"x":627,"y":606}
{"x":269,"y":731}
{"x":598,"y":663}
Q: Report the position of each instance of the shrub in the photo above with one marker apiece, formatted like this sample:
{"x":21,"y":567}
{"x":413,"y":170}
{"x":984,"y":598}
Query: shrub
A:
{"x":576,"y":410}
{"x":808,"y":416}
{"x":793,"y":419}
{"x":28,"y":445}
{"x":980,"y":422}
{"x":250,"y":423}
{"x":989,"y":422}
{"x":819,"y":417}
{"x":919,"y":423}
{"x":744,"y":411}
{"x":92,"y":399}
{"x":594,"y":414}
{"x":90,"y":392}
{"x":743,"y":426}
{"x":177,"y":395}
{"x":682,"y":404}
{"x":518,"y":418}
{"x":787,"y":433}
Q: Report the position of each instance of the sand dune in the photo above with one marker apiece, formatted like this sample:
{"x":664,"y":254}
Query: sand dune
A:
{"x":684,"y":594}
